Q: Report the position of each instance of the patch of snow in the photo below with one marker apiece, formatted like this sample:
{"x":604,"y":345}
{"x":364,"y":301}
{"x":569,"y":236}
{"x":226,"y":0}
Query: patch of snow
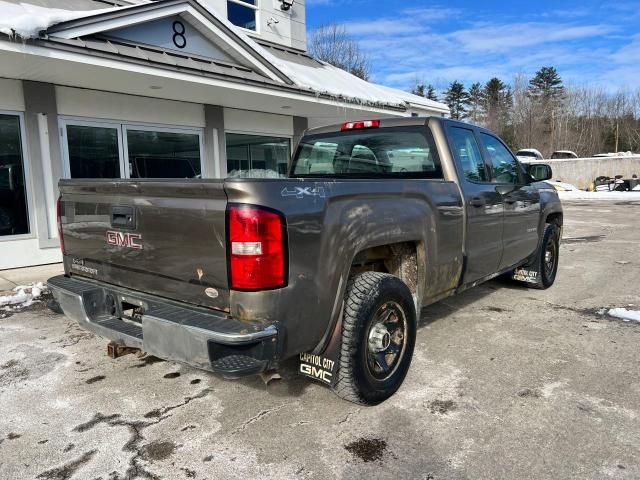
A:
{"x":562,"y":186}
{"x":617,"y":196}
{"x":626,"y":315}
{"x":27,"y":21}
{"x":24,"y":296}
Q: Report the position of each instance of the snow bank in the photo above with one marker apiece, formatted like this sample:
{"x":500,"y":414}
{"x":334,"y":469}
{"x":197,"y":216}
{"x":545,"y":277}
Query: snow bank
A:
{"x":624,"y":314}
{"x":562,"y":186}
{"x":27,"y":21}
{"x":24,"y":295}
{"x":616,"y":196}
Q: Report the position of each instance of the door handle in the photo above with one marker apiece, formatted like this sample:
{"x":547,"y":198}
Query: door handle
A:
{"x":510,"y":200}
{"x":123,"y":217}
{"x":477,"y":202}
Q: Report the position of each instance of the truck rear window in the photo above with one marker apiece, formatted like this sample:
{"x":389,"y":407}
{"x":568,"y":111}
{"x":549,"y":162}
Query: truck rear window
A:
{"x":399,"y":152}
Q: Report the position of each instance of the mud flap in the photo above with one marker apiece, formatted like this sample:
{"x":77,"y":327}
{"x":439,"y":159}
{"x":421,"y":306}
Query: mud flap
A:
{"x":525,"y":274}
{"x":324,"y":367}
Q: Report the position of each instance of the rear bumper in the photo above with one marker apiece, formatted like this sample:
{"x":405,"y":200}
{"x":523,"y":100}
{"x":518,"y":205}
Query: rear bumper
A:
{"x":168,"y":330}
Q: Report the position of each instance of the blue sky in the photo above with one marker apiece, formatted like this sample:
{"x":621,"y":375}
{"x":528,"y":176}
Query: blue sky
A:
{"x":589,"y":42}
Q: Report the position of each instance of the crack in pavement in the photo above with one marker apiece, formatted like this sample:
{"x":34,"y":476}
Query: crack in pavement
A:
{"x":134,"y":444}
{"x":66,"y":471}
{"x":260,"y":415}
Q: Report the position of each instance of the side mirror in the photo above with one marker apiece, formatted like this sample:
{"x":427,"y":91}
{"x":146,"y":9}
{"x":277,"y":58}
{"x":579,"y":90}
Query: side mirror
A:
{"x":540,"y":171}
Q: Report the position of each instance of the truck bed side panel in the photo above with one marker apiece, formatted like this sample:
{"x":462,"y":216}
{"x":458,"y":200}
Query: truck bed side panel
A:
{"x":329,"y":224}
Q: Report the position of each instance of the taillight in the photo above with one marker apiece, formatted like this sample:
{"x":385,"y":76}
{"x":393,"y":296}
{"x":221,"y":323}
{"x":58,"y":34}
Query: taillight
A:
{"x":257,"y":243}
{"x":59,"y":219}
{"x":361,"y":125}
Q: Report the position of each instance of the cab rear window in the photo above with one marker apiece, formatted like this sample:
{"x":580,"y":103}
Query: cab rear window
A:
{"x":400,"y":152}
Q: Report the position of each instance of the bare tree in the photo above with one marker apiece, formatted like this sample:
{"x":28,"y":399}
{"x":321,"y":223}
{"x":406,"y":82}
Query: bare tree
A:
{"x":332,"y":43}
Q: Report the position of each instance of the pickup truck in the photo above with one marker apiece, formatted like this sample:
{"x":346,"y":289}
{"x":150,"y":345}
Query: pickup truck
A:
{"x":332,"y":264}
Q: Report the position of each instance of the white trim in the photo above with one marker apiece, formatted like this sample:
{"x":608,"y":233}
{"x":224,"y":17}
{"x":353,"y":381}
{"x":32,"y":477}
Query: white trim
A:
{"x":47,"y":175}
{"x":165,"y":129}
{"x":64,"y":121}
{"x":255,"y":7}
{"x":25,"y":49}
{"x":26,"y":172}
{"x":189,"y":12}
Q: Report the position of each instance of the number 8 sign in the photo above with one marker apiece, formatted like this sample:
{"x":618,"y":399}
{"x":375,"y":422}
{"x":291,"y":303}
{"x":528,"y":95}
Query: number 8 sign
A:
{"x":179,"y":40}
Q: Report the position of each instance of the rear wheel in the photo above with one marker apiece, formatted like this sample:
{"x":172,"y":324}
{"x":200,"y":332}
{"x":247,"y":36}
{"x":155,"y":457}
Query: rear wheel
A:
{"x":541,"y":272}
{"x":378,"y":338}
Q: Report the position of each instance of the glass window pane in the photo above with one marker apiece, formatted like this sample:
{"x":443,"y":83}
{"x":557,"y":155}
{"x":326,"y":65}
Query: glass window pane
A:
{"x":505,"y":167}
{"x":14,"y":218}
{"x":389,"y":152}
{"x":93,"y":152}
{"x":241,"y":16}
{"x":467,"y":152}
{"x":249,"y":155}
{"x":163,"y":154}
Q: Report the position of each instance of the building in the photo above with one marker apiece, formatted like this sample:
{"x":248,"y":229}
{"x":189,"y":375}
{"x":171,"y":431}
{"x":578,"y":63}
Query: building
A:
{"x":164,"y":89}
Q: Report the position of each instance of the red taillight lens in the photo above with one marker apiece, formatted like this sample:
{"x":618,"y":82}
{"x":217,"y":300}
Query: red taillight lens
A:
{"x":257,"y":243}
{"x":59,"y":219}
{"x":361,"y":125}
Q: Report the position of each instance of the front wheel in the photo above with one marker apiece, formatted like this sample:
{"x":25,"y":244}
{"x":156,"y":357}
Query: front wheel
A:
{"x":541,"y":272}
{"x":378,"y":338}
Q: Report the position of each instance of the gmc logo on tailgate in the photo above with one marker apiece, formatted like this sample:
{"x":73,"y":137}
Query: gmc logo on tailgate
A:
{"x":121,"y":239}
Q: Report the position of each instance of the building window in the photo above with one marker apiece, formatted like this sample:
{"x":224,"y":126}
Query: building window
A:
{"x":94,"y":152}
{"x":155,"y":154}
{"x":243,"y":13}
{"x":14,"y":215}
{"x":114,"y":150}
{"x":247,"y":155}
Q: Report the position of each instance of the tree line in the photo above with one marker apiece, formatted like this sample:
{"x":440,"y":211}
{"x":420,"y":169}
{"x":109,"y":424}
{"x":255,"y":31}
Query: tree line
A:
{"x":543,"y":113}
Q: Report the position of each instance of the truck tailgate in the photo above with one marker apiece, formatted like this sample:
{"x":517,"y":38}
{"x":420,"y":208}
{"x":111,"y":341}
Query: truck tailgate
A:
{"x":164,"y":237}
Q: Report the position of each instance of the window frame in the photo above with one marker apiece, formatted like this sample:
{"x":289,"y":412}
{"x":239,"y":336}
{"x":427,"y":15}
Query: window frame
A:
{"x":487,"y":165}
{"x":223,"y":167}
{"x":123,"y":127}
{"x":255,"y":7}
{"x":494,"y":180}
{"x":26,"y":171}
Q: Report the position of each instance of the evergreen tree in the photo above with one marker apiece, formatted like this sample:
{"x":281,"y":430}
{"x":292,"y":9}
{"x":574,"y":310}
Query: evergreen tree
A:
{"x":546,"y":84}
{"x":457,"y":98}
{"x":419,"y":89}
{"x":475,"y":102}
{"x":431,"y":93}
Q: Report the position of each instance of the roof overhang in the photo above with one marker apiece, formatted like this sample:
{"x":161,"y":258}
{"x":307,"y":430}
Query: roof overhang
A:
{"x":206,"y":23}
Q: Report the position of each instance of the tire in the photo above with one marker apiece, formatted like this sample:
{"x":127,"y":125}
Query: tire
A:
{"x":541,"y":272}
{"x":378,"y":331}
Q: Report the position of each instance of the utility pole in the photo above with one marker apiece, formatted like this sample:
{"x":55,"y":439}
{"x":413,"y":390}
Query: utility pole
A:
{"x":617,"y":134}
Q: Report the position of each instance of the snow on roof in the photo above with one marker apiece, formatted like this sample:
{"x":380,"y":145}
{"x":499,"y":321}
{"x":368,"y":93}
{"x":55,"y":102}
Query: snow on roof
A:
{"x":27,"y":21}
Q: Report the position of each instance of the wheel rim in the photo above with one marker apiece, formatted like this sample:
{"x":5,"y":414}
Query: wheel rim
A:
{"x":550,"y":259}
{"x":386,"y":341}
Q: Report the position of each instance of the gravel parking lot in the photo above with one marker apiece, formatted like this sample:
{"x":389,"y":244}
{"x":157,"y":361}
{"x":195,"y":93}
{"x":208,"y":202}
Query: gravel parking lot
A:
{"x":506,"y":383}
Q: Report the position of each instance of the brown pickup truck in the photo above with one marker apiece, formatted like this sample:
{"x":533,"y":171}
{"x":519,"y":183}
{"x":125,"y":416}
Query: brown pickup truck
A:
{"x":374,"y":221}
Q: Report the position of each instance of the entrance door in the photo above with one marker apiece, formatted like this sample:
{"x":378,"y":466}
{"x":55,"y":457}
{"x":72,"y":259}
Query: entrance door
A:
{"x":484,"y":206}
{"x":14,"y":213}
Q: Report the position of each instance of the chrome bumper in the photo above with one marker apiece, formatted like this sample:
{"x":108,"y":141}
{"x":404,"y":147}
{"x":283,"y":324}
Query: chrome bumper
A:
{"x":168,"y":330}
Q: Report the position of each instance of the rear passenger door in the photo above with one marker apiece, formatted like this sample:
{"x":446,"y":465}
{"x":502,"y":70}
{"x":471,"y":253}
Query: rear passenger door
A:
{"x":521,"y":202}
{"x":484,"y":206}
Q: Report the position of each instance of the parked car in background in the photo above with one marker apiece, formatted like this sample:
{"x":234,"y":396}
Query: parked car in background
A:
{"x":529,"y":154}
{"x":563,"y":155}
